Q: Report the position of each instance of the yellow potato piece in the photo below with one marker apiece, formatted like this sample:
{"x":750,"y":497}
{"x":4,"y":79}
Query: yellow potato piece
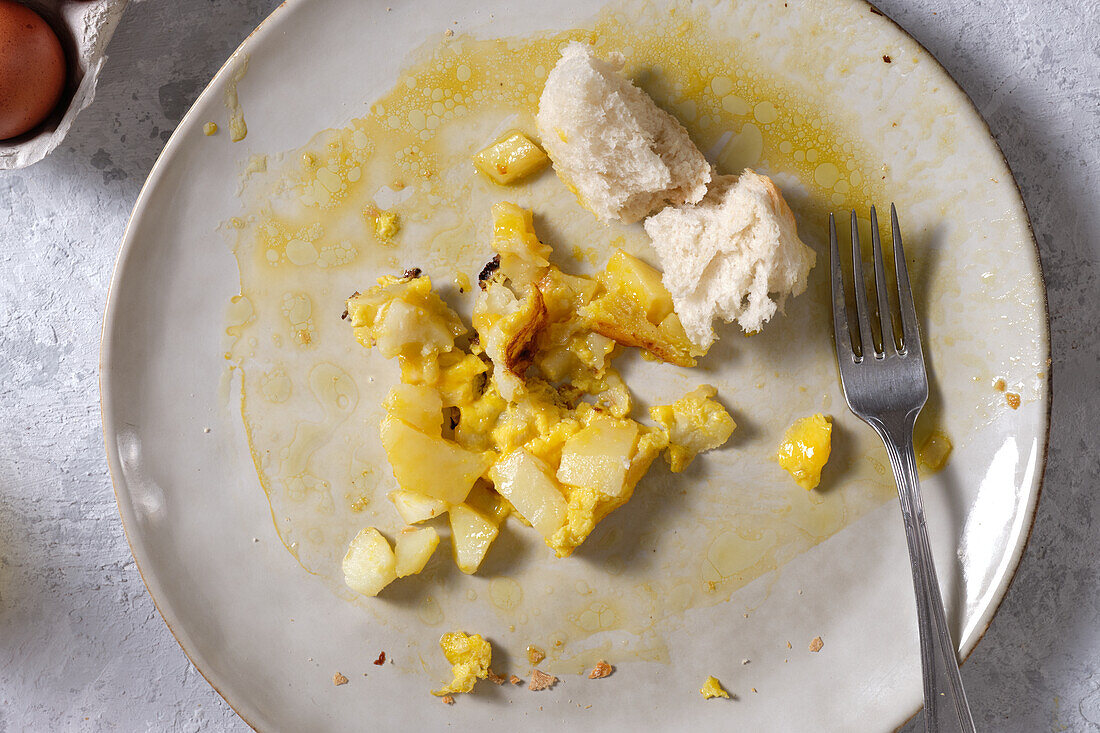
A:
{"x":513,"y":157}
{"x":430,"y":465}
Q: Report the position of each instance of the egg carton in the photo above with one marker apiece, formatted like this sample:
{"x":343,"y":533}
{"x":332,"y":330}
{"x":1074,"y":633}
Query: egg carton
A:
{"x":84,"y":28}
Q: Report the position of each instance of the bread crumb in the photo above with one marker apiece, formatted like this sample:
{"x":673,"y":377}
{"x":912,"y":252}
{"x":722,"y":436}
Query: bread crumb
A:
{"x":210,"y":128}
{"x":448,"y":33}
{"x":601,"y":670}
{"x":1012,"y":399}
{"x":816,"y":644}
{"x":789,"y":645}
{"x":381,"y":659}
{"x":515,"y":680}
{"x":339,"y":679}
{"x":753,"y":689}
{"x":745,"y":661}
{"x":541,"y":681}
{"x":1000,"y":385}
{"x":495,"y":678}
{"x":535,"y":655}
{"x":447,"y":700}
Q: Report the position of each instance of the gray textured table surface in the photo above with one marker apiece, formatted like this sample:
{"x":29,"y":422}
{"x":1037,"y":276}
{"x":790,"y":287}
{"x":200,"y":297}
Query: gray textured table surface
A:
{"x":81,"y":645}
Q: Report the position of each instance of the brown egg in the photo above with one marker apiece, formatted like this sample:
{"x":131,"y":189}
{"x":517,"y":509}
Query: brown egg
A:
{"x":32,"y":69}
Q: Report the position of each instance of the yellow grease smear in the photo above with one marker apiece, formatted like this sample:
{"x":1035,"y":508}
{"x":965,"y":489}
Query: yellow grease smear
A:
{"x":311,"y":395}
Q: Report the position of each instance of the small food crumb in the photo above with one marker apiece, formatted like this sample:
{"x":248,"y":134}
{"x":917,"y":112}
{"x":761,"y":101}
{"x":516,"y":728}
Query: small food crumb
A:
{"x":206,"y":430}
{"x":515,"y":680}
{"x":601,"y":670}
{"x":495,"y":678}
{"x":210,"y":128}
{"x":789,"y":645}
{"x":816,"y":644}
{"x":744,"y":661}
{"x":447,"y":700}
{"x":339,"y":679}
{"x":541,"y":681}
{"x":713,"y":688}
{"x":535,"y":655}
{"x":448,"y":33}
{"x":1012,"y":399}
{"x":386,"y":225}
{"x":754,"y":689}
{"x":886,"y":58}
{"x":381,"y":659}
{"x":1000,"y":385}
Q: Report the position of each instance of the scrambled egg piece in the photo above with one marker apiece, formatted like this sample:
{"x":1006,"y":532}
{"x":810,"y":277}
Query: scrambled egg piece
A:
{"x":386,"y":225}
{"x":469,"y":656}
{"x":805,"y":449}
{"x":694,"y":423}
{"x":713,"y":688}
{"x":526,"y":417}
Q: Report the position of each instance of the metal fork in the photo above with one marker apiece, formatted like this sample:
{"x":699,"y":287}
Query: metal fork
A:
{"x":886,"y":388}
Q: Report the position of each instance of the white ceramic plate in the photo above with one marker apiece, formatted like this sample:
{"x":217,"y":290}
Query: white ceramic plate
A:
{"x":786,"y":566}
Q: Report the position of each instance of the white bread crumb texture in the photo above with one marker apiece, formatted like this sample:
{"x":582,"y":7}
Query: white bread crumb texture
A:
{"x":735,"y":255}
{"x":621,"y":154}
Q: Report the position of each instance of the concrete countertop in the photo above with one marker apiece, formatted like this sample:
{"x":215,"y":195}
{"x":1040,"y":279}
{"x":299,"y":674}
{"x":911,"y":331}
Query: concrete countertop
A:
{"x":81,"y":645}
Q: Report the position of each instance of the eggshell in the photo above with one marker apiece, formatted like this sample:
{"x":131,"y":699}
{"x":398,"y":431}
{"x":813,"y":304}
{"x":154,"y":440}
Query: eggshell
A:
{"x":32,"y":69}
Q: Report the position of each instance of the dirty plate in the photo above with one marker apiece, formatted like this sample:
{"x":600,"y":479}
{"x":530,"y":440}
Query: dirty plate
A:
{"x":241,"y":418}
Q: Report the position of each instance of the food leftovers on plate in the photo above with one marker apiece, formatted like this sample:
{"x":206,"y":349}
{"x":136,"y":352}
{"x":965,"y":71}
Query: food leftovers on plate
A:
{"x":524,"y":415}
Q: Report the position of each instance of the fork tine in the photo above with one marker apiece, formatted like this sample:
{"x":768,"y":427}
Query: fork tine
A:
{"x":910,"y":333}
{"x":866,"y":338}
{"x":841,"y":334}
{"x":885,"y":320}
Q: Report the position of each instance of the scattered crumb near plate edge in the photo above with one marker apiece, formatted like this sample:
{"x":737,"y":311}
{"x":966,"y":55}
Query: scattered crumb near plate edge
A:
{"x":381,"y":659}
{"x":447,"y":700}
{"x":339,"y":679}
{"x":541,"y":681}
{"x":713,"y":688}
{"x":495,"y":678}
{"x":210,"y":128}
{"x":535,"y":655}
{"x":515,"y":680}
{"x":816,"y":643}
{"x":601,"y":670}
{"x":1013,"y":400}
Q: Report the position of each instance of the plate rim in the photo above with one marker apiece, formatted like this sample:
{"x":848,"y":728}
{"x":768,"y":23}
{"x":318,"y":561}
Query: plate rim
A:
{"x":127,"y":246}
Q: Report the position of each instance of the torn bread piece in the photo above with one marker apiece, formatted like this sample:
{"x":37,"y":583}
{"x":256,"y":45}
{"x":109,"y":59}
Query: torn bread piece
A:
{"x":735,"y":255}
{"x":622,"y":155}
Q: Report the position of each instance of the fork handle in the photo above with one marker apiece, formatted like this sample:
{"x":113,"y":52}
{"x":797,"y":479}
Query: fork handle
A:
{"x":945,"y":706}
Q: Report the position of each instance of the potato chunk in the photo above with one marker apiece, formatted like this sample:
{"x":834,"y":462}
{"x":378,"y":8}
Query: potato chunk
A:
{"x":598,"y":456}
{"x":413,"y":549}
{"x":415,"y":508}
{"x":628,"y":273}
{"x":528,"y":484}
{"x":417,"y":405}
{"x":431,"y":465}
{"x":471,"y":534}
{"x":511,"y":158}
{"x":369,"y":565}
